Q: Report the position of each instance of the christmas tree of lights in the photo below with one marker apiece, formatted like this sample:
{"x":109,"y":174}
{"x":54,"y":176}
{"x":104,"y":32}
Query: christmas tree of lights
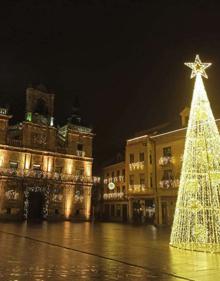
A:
{"x":196,"y":224}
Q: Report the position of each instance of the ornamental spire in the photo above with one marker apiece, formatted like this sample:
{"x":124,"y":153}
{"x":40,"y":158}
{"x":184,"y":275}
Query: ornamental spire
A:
{"x":198,"y":67}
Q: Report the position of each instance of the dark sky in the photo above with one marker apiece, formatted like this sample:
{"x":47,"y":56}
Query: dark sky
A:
{"x":124,"y":60}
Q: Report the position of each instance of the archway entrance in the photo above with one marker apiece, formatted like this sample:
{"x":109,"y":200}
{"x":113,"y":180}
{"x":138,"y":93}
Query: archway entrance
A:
{"x":36,"y":201}
{"x":35,"y":206}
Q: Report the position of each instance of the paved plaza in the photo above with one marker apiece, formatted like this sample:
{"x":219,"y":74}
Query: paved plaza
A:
{"x":97,"y":251}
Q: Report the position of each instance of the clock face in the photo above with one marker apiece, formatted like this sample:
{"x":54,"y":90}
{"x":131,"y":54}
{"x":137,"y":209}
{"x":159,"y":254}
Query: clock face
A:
{"x":111,"y":186}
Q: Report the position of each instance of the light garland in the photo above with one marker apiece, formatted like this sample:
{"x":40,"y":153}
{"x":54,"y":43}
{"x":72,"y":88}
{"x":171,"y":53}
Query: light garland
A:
{"x":45,"y":191}
{"x":166,"y":160}
{"x":136,"y":166}
{"x":196,"y":224}
{"x":166,"y":184}
{"x":113,"y":196}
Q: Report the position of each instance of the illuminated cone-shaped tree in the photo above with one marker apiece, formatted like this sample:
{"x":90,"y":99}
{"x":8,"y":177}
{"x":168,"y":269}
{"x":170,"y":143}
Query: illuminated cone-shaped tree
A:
{"x":196,"y":224}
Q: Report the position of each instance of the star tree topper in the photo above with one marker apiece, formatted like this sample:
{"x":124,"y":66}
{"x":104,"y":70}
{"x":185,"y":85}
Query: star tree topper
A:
{"x":197,"y":67}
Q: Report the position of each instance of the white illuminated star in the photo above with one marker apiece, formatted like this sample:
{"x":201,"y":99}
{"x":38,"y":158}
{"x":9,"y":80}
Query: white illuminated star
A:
{"x":198,"y":67}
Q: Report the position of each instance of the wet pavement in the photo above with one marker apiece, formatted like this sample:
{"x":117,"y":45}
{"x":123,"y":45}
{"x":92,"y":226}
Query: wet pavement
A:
{"x":99,"y":251}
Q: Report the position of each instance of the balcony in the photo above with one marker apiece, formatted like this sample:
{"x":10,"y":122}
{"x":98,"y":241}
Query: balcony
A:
{"x":114,"y":196}
{"x":39,"y":174}
{"x":80,"y":153}
{"x":139,"y":188}
{"x":14,"y":142}
{"x":169,"y":183}
{"x":136,"y":166}
{"x":166,"y":160}
{"x":119,"y":179}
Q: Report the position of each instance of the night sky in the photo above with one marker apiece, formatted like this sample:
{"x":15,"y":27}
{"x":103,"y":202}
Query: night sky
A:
{"x":124,"y":61}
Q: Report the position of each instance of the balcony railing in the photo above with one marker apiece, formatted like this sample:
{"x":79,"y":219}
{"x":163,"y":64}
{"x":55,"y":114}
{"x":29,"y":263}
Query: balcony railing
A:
{"x":38,"y":174}
{"x":166,"y":160}
{"x":169,"y":183}
{"x":138,"y":188}
{"x":114,"y":196}
{"x":14,"y":142}
{"x":80,"y":153}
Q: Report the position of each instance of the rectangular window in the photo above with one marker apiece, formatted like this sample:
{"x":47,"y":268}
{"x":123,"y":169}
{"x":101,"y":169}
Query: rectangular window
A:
{"x":142,"y":179}
{"x":113,"y":174}
{"x":141,"y":156}
{"x":150,"y":157}
{"x":118,"y":173}
{"x":79,"y":172}
{"x":151,"y":180}
{"x":80,"y":146}
{"x":123,"y":189}
{"x":132,"y":158}
{"x":131,"y":179}
{"x":58,"y":170}
{"x":123,"y":172}
{"x":13,"y":165}
{"x":167,"y":175}
{"x":167,"y":151}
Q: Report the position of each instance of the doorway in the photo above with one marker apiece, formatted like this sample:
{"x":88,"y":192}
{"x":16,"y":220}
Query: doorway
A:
{"x":35,"y":206}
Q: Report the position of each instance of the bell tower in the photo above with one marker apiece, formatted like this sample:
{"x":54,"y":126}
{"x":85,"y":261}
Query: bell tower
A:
{"x":39,"y":106}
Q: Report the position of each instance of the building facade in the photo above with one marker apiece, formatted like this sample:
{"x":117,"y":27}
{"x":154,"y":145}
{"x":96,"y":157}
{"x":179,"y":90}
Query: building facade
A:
{"x":114,"y":196}
{"x":152,"y":172}
{"x":45,"y":171}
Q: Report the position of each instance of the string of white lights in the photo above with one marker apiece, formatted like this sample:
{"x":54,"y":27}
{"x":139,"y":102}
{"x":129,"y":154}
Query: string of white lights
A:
{"x":196,"y":224}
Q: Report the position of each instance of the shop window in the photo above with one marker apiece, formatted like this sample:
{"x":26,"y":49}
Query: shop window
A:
{"x":141,"y":157}
{"x":167,"y":151}
{"x":118,"y":210}
{"x":112,"y":210}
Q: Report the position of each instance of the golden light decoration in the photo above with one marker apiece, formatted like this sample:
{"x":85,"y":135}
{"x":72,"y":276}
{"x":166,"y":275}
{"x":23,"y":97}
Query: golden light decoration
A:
{"x":196,"y":224}
{"x":198,"y":67}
